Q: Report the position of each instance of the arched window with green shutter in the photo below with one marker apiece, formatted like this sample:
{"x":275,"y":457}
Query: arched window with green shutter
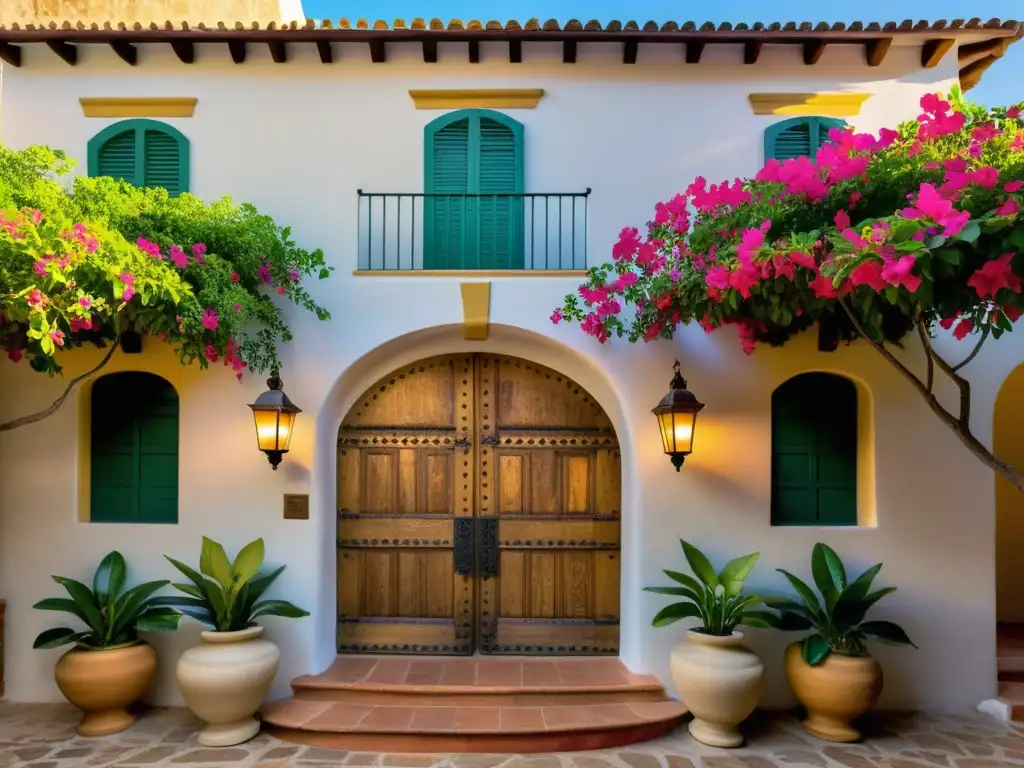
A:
{"x":146,"y":153}
{"x":814,"y":451}
{"x":473,"y":180}
{"x":798,"y":136}
{"x":134,"y":449}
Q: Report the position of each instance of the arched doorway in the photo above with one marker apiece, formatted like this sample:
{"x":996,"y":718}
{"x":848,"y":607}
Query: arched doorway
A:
{"x":478,"y":511}
{"x":1008,"y":445}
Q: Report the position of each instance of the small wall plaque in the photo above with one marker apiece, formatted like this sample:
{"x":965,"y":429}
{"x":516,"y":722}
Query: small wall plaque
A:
{"x":296,"y":506}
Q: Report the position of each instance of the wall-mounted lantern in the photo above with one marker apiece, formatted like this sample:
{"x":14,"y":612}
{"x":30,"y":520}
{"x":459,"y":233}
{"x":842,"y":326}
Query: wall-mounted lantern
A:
{"x":677,"y":419}
{"x":275,"y":419}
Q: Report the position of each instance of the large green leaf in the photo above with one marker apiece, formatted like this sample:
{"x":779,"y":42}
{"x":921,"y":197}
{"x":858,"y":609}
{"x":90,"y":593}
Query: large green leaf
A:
{"x":192,"y":575}
{"x":676,"y":591}
{"x":108,"y":581}
{"x":280,"y":608}
{"x":814,"y":649}
{"x":859,"y":587}
{"x":260,"y":584}
{"x":887,"y":632}
{"x":86,"y":601}
{"x":213,"y":562}
{"x":829,"y":574}
{"x":699,"y":564}
{"x":811,"y":604}
{"x":199,"y":614}
{"x":791,"y":621}
{"x":735,"y":573}
{"x":132,"y":603}
{"x":55,"y":638}
{"x":670,"y":614}
{"x":188,"y":589}
{"x":158,"y":620}
{"x":686,"y":580}
{"x":247,"y":562}
{"x":850,"y":613}
{"x":761,"y":619}
{"x":63,"y":604}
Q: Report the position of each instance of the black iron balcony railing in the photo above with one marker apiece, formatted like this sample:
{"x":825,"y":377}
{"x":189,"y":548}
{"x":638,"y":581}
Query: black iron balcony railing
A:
{"x":431,"y":231}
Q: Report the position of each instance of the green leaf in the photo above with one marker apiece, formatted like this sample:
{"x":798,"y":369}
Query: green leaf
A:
{"x":761,"y":619}
{"x":892,"y":294}
{"x":686,"y":580}
{"x":827,"y":568}
{"x":55,"y":638}
{"x":949,"y":255}
{"x":213,"y":562}
{"x":188,"y":589}
{"x":260,"y":584}
{"x":676,"y":591}
{"x":791,"y":621}
{"x":670,"y":614}
{"x":158,"y":620}
{"x":887,"y":632}
{"x":108,"y":581}
{"x":63,"y":604}
{"x":735,"y":573}
{"x":132,"y":603}
{"x":1016,"y":238}
{"x":192,"y":575}
{"x":199,"y":614}
{"x":814,"y":649}
{"x":247,"y":562}
{"x":699,"y":564}
{"x":970,"y":233}
{"x":811,"y":603}
{"x":86,"y":602}
{"x":281,"y":608}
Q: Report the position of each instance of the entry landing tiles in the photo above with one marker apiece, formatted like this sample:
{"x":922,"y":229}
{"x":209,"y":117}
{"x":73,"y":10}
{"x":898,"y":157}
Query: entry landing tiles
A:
{"x":42,"y":736}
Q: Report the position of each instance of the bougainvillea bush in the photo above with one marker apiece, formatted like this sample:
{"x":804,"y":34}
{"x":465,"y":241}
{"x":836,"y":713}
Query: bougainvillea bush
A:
{"x":85,"y":266}
{"x":876,"y":236}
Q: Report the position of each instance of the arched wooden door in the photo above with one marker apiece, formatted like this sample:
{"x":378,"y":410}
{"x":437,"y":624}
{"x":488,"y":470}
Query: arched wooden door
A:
{"x":478,"y":510}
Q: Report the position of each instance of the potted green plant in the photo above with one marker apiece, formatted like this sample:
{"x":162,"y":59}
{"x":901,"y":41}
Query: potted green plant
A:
{"x":110,"y":666}
{"x":719,"y":679}
{"x":830,"y":670}
{"x":225,"y":678}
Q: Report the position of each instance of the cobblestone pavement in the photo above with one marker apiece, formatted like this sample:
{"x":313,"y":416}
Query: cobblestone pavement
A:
{"x":43,"y":736}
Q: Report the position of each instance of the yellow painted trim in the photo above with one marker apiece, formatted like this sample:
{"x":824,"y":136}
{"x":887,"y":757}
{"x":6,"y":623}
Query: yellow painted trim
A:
{"x":486,"y":98}
{"x":821,"y":104}
{"x":469,"y":273}
{"x":476,"y":310}
{"x":83,"y":401}
{"x":138,"y":107}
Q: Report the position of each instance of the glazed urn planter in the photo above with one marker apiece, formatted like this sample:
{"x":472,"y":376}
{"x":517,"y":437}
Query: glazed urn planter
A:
{"x":224,"y":681}
{"x":104,"y":683}
{"x":835,"y":693}
{"x":720,"y":681}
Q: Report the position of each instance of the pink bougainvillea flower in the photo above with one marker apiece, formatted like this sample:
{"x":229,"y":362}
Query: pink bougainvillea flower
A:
{"x":627,"y":244}
{"x":58,"y":337}
{"x":281,"y":289}
{"x":40,"y":267}
{"x":264,"y":273}
{"x":947,"y":322}
{"x":1017,"y":145}
{"x":236,"y":306}
{"x":235,"y":277}
{"x":210,"y":320}
{"x":211,"y":353}
{"x":1013,"y":186}
{"x":129,"y":285}
{"x":81,"y":324}
{"x":592,"y":295}
{"x":1009,"y":207}
{"x":914,"y":149}
{"x":1013,"y":112}
{"x":609,"y":308}
{"x":147,"y":247}
{"x":293,"y":275}
{"x":930,"y":204}
{"x":36,"y":215}
{"x":718,"y":277}
{"x":556,"y":316}
{"x":1012,"y":312}
{"x":823,"y":287}
{"x":963,"y":328}
{"x":869,"y":273}
{"x":841,"y":219}
{"x":85,"y":302}
{"x":987,"y":177}
{"x":36,"y":299}
{"x":15,"y":355}
{"x":858,"y":242}
{"x":985,"y":132}
{"x":994,"y":276}
{"x":178,"y":257}
{"x":855,"y":198}
{"x":199,"y":252}
{"x":898,"y":272}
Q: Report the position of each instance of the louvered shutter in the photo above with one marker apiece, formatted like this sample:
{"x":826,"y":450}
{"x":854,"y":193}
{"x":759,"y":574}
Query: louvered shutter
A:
{"x":814,"y":451}
{"x":117,"y":157}
{"x":447,"y":218}
{"x":162,"y":162}
{"x":500,"y":218}
{"x":798,"y":137}
{"x":134,"y":450}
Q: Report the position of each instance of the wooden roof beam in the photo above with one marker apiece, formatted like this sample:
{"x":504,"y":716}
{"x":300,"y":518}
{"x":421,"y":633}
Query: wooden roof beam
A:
{"x":65,"y":50}
{"x":875,"y":51}
{"x":474,"y":51}
{"x":515,"y":51}
{"x":430,"y":51}
{"x":237,"y":49}
{"x":128,"y":53}
{"x":278,"y":51}
{"x":813,"y":50}
{"x":629,"y":51}
{"x":569,"y":49}
{"x":378,"y":53}
{"x":694,"y":51}
{"x":10,"y":54}
{"x":933,"y":51}
{"x":323,"y":47}
{"x":184,"y":50}
{"x":752,"y":51}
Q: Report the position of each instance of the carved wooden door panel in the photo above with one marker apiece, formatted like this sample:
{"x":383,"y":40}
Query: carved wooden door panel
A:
{"x":548,"y":502}
{"x":405,"y":495}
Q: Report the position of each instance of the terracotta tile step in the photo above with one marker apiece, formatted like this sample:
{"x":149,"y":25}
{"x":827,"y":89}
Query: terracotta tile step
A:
{"x":335,"y":717}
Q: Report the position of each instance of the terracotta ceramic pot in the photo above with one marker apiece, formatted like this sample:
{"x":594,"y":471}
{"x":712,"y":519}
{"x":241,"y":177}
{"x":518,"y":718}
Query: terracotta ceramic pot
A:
{"x":224,"y":681}
{"x":104,"y":683}
{"x":835,"y":693}
{"x":720,"y":681}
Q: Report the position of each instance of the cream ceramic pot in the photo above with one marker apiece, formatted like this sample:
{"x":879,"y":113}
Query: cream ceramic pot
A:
{"x":224,"y":681}
{"x":720,"y":681}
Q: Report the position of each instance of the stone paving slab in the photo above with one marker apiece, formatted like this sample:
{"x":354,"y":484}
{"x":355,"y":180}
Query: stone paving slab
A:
{"x":43,"y":736}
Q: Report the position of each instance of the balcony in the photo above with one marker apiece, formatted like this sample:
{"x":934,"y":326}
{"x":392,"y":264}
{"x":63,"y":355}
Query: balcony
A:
{"x":426,"y":232}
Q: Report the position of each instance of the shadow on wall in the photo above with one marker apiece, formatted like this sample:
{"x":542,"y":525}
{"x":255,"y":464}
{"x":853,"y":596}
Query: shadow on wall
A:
{"x":1008,"y":444}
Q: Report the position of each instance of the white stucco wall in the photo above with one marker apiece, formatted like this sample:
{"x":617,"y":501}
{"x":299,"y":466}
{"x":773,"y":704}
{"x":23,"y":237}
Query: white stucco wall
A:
{"x":297,"y":140}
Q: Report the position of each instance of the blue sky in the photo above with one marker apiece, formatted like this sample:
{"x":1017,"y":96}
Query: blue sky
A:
{"x":1002,"y":84}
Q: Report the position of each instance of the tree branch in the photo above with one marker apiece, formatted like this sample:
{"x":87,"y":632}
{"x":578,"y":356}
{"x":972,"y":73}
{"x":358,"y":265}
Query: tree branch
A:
{"x":918,"y":384}
{"x":975,"y":351}
{"x":56,"y":404}
{"x":922,"y":331}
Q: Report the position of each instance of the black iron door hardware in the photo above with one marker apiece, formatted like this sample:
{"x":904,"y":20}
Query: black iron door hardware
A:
{"x":476,"y":546}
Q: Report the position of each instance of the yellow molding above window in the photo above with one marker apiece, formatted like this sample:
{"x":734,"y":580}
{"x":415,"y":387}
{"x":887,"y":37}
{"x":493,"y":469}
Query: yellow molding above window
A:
{"x":476,"y":310}
{"x":158,"y":106}
{"x":485,"y":98}
{"x":821,"y":104}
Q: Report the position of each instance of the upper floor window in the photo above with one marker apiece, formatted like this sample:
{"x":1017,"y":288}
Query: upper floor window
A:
{"x":814,"y":451}
{"x":473,"y":180}
{"x":798,"y":136}
{"x":134,"y":449}
{"x":146,"y":153}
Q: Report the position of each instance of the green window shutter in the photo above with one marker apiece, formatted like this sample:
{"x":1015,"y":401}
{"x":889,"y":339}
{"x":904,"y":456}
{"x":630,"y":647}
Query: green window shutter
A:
{"x":146,"y":153}
{"x":447,"y":172}
{"x":798,"y":137}
{"x":814,"y":451}
{"x":134,"y":450}
{"x":478,"y":153}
